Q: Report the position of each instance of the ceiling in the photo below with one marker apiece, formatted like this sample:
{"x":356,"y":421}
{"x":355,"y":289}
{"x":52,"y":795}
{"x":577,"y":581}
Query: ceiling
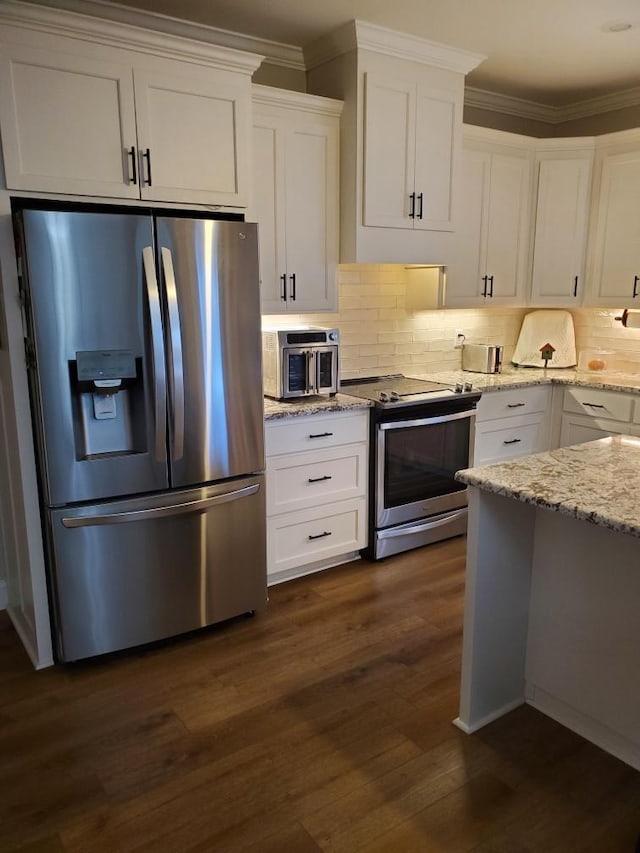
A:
{"x":552,"y":52}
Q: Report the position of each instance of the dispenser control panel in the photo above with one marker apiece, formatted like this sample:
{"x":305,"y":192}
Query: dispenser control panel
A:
{"x":105,"y":365}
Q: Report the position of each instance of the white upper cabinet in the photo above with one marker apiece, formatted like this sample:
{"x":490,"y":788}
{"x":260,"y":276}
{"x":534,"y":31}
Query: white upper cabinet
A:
{"x":401,"y":139}
{"x":68,"y":123}
{"x":409,"y":142}
{"x":562,"y":206}
{"x":616,"y":243}
{"x":487,"y":264}
{"x":295,"y":199}
{"x":84,"y":117}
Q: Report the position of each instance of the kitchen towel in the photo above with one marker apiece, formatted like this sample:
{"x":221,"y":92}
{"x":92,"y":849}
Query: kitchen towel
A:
{"x":546,"y":327}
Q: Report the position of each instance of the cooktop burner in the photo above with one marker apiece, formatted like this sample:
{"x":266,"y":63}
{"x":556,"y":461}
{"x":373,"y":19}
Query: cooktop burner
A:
{"x":399,"y":390}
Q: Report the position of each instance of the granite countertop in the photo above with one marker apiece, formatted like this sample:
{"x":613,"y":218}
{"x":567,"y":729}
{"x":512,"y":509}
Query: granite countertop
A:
{"x":597,"y":482}
{"x":522,"y":377}
{"x":274,"y":409}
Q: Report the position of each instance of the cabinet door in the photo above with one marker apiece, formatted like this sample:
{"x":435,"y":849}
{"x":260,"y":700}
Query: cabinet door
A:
{"x":311,"y":193}
{"x":560,"y":232}
{"x":268,"y":210}
{"x":505,"y":249}
{"x":67,"y":122}
{"x":464,"y":286}
{"x":389,"y":152}
{"x":617,"y":253}
{"x":435,"y":126}
{"x":196,"y":131}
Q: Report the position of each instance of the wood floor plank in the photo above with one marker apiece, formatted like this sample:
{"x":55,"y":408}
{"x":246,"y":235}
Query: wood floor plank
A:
{"x":324,"y":723}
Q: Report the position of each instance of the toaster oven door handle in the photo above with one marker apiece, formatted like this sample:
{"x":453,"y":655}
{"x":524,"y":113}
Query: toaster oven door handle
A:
{"x":311,"y":371}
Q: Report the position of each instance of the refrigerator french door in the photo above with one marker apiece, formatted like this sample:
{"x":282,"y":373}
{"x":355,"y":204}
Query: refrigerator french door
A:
{"x":147,"y":404}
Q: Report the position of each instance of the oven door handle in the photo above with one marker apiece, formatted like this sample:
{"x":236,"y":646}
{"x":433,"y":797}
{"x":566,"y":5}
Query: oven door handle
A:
{"x":422,"y":526}
{"x":417,"y":422}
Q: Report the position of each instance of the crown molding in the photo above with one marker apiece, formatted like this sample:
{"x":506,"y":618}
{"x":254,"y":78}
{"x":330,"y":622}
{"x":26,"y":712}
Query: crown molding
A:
{"x":90,"y":18}
{"x":362,"y":35}
{"x":483,"y":99}
{"x":283,"y":98}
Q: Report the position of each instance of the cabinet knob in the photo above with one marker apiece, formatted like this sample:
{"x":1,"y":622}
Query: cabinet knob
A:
{"x":293,"y":286}
{"x":419,"y":215}
{"x":636,"y":279}
{"x":575,"y":286}
{"x":283,"y":295}
{"x":412,"y":205}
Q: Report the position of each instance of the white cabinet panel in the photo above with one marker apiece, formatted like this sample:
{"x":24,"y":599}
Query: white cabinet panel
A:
{"x":409,"y":141}
{"x":316,"y":498}
{"x":295,"y":200}
{"x":499,"y":440}
{"x":91,"y":119}
{"x":513,"y":401}
{"x":196,"y":130}
{"x":560,"y":230}
{"x":301,"y":480}
{"x":602,"y":404}
{"x":67,"y":122}
{"x":300,"y":538}
{"x":616,"y":267}
{"x":488,"y":262}
{"x":389,"y":152}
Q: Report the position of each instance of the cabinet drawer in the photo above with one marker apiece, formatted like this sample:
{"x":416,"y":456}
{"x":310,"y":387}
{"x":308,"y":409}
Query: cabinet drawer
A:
{"x":298,"y":538}
{"x":315,"y":432}
{"x":300,"y":480}
{"x":516,"y":401}
{"x":577,"y":429}
{"x":497,"y":441}
{"x":601,"y":404}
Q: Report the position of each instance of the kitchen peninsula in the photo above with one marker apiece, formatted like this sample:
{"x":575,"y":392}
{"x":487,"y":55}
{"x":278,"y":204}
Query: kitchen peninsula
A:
{"x":553,"y":592}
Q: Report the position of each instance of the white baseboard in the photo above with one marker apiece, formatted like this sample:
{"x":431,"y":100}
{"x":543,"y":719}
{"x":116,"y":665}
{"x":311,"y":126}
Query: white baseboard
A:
{"x":310,"y":568}
{"x":3,"y":595}
{"x":470,"y":728}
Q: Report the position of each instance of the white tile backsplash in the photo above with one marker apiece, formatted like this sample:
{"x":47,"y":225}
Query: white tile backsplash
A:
{"x":379,"y":334}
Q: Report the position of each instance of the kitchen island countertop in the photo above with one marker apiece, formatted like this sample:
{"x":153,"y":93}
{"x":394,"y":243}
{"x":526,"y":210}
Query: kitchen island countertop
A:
{"x":598,"y":481}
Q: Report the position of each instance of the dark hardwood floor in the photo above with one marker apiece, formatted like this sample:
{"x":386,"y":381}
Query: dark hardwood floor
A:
{"x":322,"y":724}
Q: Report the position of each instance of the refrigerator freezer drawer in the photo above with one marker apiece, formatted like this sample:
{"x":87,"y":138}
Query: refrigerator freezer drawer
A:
{"x":131,"y":572}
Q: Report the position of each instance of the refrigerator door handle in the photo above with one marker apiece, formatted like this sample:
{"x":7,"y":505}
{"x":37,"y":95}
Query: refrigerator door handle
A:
{"x":160,"y":512}
{"x":157,"y":352}
{"x":175,"y":343}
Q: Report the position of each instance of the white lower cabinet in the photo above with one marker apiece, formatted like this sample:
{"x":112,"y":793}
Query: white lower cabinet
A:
{"x":316,"y":498}
{"x":511,"y":423}
{"x":590,"y":414}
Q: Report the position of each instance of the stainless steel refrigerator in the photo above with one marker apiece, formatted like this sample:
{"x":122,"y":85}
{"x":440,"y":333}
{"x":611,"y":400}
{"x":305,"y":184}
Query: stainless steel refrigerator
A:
{"x":144,"y":354}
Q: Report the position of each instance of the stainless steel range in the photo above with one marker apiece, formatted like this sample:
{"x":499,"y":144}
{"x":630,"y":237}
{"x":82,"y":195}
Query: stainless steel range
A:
{"x":421,"y":433}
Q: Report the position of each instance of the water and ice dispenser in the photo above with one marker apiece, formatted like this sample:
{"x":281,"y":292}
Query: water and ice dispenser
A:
{"x":108,"y":403}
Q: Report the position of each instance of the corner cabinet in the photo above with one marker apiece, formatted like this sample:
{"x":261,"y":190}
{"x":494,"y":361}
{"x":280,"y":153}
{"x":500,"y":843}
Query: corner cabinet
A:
{"x":563,"y":184}
{"x":488,"y":264}
{"x":616,"y":235}
{"x":317,"y":469}
{"x":295,"y":200}
{"x":84,"y":117}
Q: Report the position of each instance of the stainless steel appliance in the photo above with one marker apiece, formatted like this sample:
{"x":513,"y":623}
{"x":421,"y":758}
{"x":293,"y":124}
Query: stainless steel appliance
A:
{"x":421,"y":433}
{"x":145,"y":374}
{"x":482,"y":358}
{"x":300,"y":362}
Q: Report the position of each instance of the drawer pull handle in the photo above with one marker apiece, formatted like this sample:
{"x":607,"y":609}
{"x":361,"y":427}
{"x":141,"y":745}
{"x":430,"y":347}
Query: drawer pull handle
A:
{"x":594,"y":405}
{"x":515,"y":405}
{"x":320,"y":435}
{"x":513,"y":441}
{"x":319,"y":479}
{"x":320,"y":535}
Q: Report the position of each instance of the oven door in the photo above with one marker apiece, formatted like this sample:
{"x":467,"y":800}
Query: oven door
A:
{"x":326,"y":369}
{"x":298,"y":377}
{"x":416,"y":460}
